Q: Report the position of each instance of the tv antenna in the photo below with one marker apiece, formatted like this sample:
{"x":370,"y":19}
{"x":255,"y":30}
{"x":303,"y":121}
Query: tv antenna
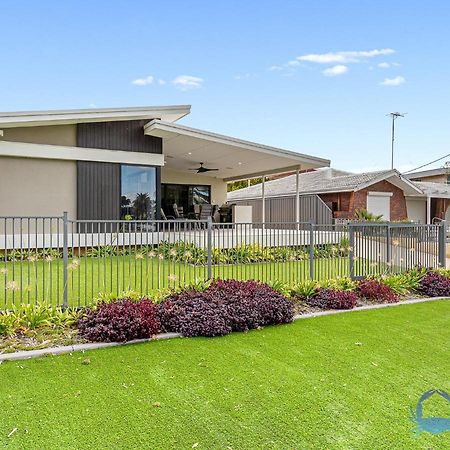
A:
{"x":395,"y":116}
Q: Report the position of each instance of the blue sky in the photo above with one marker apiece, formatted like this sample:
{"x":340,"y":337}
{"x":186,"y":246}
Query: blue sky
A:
{"x":230,"y":60}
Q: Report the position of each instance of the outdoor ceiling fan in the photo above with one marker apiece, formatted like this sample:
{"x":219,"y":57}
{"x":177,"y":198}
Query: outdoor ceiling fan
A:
{"x":202,"y":169}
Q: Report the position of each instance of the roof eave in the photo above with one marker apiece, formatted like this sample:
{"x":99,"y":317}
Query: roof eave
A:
{"x":154,"y":125}
{"x":73,"y":116}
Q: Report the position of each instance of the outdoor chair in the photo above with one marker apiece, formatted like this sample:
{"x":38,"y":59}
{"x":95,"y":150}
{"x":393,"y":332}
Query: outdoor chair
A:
{"x":178,"y":211}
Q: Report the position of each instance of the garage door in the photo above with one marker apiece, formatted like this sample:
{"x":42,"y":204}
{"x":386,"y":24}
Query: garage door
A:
{"x":379,"y":203}
{"x":417,"y":209}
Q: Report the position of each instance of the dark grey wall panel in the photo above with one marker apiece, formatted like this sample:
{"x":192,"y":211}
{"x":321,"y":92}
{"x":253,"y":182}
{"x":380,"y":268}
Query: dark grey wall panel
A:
{"x":98,"y":190}
{"x":282,"y":209}
{"x":122,"y":135}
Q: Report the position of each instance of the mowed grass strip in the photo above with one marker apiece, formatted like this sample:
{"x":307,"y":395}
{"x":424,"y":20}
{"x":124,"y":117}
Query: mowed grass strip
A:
{"x":338,"y":382}
{"x":24,"y":281}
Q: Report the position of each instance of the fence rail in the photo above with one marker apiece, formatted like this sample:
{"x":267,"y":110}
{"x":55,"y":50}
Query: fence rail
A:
{"x":71,"y":262}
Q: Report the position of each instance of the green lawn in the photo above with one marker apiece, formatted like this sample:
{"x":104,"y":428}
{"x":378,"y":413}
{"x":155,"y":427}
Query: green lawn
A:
{"x":337,"y":382}
{"x":24,"y":281}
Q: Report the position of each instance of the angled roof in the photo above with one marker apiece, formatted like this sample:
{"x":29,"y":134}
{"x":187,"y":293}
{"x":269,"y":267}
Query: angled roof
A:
{"x":439,"y":190}
{"x":326,"y":180}
{"x":71,"y":116}
{"x":428,"y":173}
{"x":232,"y":158}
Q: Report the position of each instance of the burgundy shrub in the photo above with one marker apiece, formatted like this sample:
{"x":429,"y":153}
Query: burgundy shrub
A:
{"x":434,"y":284}
{"x":251,"y":304}
{"x":376,"y":291}
{"x":224,"y":307}
{"x":331,"y":299}
{"x":120,"y":321}
{"x":193,"y":313}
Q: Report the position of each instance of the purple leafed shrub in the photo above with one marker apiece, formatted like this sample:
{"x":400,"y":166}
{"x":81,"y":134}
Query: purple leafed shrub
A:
{"x":193,"y":313}
{"x":224,"y":307}
{"x":331,"y":299}
{"x":434,"y":284}
{"x":376,"y":291}
{"x":251,"y":304}
{"x":120,"y":321}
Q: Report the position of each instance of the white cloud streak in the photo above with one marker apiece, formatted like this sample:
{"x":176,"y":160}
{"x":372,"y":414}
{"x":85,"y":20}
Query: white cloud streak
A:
{"x":185,"y":82}
{"x":344,"y":57}
{"x":144,"y":81}
{"x":335,"y":71}
{"x":384,"y":65}
{"x":397,"y":81}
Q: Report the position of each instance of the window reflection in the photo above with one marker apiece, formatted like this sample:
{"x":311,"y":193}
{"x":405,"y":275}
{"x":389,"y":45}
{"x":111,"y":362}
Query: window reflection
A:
{"x":138,"y":192}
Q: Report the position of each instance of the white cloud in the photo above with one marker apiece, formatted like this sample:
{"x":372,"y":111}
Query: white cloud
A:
{"x":243,"y":76}
{"x":335,"y":70}
{"x":161,"y":81}
{"x":344,"y":57}
{"x":273,"y":68}
{"x":384,"y":65}
{"x":293,"y":63}
{"x":144,"y":81}
{"x":397,"y":81}
{"x":185,"y":82}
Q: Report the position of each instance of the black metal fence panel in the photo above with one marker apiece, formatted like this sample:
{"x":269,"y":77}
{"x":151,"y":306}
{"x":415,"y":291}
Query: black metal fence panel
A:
{"x":72,"y":262}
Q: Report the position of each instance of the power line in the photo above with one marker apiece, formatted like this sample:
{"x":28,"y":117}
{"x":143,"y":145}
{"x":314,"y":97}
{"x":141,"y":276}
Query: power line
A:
{"x":428,"y":164}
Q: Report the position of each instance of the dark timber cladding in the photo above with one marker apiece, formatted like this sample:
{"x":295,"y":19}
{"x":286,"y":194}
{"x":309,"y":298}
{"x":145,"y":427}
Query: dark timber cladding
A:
{"x":122,"y":135}
{"x":98,"y":190}
{"x":98,"y":184}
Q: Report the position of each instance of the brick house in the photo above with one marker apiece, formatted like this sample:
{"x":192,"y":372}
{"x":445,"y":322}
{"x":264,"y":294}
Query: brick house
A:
{"x":387,"y":193}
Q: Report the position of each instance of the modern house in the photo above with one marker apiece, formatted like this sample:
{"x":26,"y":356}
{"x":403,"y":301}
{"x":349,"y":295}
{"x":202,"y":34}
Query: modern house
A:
{"x":117,"y":162}
{"x":327,"y":194}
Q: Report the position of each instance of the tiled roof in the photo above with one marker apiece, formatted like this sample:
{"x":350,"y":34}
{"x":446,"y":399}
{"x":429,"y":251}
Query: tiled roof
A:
{"x":319,"y":181}
{"x":433,"y":189}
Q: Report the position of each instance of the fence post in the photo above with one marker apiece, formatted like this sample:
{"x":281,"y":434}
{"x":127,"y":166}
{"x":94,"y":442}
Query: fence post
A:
{"x":351,"y":250}
{"x":209,"y":246}
{"x":442,"y":238}
{"x":65,"y":259}
{"x":311,"y":250}
{"x":388,"y":247}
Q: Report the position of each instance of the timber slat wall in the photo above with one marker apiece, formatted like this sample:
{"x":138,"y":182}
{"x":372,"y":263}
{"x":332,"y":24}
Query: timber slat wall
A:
{"x":121,"y":135}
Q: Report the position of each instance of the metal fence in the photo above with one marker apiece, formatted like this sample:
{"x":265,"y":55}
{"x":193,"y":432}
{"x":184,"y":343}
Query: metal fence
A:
{"x":71,"y":262}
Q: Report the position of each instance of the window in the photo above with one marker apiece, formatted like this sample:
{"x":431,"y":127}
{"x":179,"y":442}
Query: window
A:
{"x":184,"y":196}
{"x":138,"y":192}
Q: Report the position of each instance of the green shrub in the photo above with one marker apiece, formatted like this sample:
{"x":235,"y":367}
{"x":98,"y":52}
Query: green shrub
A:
{"x":280,"y":287}
{"x":35,"y":316}
{"x":7,"y":323}
{"x":339,"y":284}
{"x":404,"y":283}
{"x":362,"y":214}
{"x":305,"y":289}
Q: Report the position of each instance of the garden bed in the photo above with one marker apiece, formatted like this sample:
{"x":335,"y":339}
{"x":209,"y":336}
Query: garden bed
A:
{"x":208,"y":308}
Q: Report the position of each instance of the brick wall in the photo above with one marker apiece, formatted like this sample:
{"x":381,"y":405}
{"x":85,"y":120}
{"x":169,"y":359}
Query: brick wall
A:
{"x":349,"y":202}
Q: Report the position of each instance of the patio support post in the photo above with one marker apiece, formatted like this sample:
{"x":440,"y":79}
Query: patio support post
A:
{"x":428,"y":210}
{"x":65,"y":259}
{"x":297,"y":197}
{"x":263,"y":198}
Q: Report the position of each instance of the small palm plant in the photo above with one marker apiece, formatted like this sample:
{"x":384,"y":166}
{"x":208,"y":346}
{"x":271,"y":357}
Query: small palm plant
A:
{"x":364,"y":215}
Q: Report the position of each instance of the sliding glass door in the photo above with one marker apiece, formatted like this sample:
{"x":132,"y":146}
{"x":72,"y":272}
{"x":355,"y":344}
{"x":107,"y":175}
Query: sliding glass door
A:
{"x":185,"y":196}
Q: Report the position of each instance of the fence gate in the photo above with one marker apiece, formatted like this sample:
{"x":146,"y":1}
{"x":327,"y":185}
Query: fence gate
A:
{"x":394,"y":247}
